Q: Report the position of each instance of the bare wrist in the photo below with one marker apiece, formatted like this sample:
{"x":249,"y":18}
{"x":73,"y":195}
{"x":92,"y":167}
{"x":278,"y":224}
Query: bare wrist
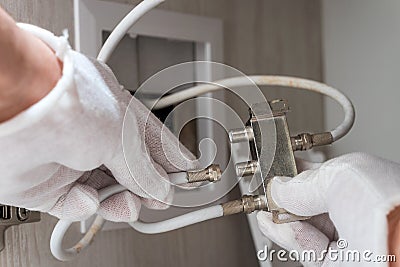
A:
{"x":30,"y":71}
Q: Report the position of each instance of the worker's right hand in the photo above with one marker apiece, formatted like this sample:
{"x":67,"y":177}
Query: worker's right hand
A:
{"x":57,"y":154}
{"x":349,"y":199}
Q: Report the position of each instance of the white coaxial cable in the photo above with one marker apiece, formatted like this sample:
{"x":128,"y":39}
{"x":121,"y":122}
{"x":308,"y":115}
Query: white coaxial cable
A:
{"x":179,"y":221}
{"x":123,"y":27}
{"x":267,"y":80}
{"x":62,"y":226}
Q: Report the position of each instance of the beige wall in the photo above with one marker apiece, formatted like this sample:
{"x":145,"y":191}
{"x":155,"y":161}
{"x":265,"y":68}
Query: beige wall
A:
{"x":361,"y":51}
{"x":260,"y":37}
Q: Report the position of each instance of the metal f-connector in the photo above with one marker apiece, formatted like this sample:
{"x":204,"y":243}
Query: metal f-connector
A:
{"x":246,"y":168}
{"x":247,"y":204}
{"x":307,"y":141}
{"x":212,"y":174}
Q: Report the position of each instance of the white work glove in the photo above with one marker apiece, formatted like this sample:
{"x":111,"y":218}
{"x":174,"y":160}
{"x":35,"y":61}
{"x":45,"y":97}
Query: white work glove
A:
{"x":58,"y":153}
{"x":354,"y":193}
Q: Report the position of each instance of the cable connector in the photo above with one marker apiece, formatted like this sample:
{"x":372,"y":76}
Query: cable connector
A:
{"x":212,"y":173}
{"x":247,"y":204}
{"x":307,"y":141}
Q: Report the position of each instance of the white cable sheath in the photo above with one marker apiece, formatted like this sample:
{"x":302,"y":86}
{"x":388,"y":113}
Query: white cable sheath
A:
{"x":179,"y":221}
{"x":123,"y":27}
{"x":292,"y":82}
{"x":62,"y":226}
{"x":178,"y":178}
{"x":58,"y":235}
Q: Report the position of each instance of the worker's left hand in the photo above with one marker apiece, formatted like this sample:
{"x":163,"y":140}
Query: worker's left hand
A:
{"x":59,"y":152}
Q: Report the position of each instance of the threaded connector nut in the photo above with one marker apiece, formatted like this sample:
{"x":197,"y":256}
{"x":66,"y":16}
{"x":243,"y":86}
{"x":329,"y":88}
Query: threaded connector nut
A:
{"x":252,"y":203}
{"x":301,"y":142}
{"x":247,"y":204}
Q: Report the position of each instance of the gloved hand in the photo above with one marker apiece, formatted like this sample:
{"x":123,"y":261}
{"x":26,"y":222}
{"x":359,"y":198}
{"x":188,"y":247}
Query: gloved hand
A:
{"x":57,"y":153}
{"x":353,"y":194}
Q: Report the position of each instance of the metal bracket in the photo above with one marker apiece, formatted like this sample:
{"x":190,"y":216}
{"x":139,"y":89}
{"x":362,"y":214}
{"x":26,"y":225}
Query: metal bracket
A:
{"x":10,"y":216}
